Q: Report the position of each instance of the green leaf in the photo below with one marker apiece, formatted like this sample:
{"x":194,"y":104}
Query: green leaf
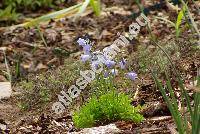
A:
{"x":54,"y":15}
{"x":19,"y":1}
{"x":179,"y":18}
{"x":96,"y":6}
{"x":178,"y":22}
{"x":8,"y":14}
{"x":171,"y":104}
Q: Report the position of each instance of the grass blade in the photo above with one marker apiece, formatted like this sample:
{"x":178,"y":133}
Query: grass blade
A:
{"x":175,"y":114}
{"x":196,"y":114}
{"x":178,"y":22}
{"x":54,"y":15}
{"x":96,"y":6}
{"x":82,"y":8}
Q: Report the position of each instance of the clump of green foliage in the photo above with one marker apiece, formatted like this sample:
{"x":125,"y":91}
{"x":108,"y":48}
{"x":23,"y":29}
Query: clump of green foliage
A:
{"x":10,"y":8}
{"x":107,"y":108}
{"x":8,"y":14}
{"x":33,"y":4}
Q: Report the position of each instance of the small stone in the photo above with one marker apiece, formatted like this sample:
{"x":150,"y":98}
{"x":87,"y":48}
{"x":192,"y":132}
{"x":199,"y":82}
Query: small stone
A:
{"x":108,"y":129}
{"x":5,"y":90}
{"x":3,"y":127}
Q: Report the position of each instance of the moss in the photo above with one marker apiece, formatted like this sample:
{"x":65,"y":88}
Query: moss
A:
{"x":109,"y":107}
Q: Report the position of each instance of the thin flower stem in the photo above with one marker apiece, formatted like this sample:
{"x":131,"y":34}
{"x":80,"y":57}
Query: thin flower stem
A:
{"x":179,"y":77}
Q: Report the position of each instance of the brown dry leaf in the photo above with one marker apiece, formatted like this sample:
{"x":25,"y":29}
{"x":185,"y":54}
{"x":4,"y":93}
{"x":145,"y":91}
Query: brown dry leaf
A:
{"x":2,"y":78}
{"x":51,"y":35}
{"x":118,"y":10}
{"x":172,"y":7}
{"x":41,"y":66}
{"x":193,"y":88}
{"x":172,"y":128}
{"x":106,"y":33}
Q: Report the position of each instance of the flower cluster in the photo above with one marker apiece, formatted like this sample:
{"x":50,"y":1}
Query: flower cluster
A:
{"x":94,"y":57}
{"x":97,"y":61}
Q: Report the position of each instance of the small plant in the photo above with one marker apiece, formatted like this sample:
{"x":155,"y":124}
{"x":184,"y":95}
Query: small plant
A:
{"x":8,"y":14}
{"x":26,"y":4}
{"x":23,"y":106}
{"x":110,"y":69}
{"x":178,"y":22}
{"x":10,"y":8}
{"x":181,"y":120}
{"x":107,"y":108}
{"x":186,"y":119}
{"x":42,"y":89}
{"x":187,"y":116}
{"x":95,"y":4}
{"x":106,"y":105}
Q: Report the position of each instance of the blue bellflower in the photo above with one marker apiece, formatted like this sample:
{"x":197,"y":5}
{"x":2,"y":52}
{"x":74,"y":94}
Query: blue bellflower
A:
{"x":114,"y":72}
{"x":110,"y":63}
{"x":87,"y":49}
{"x":122,"y":64}
{"x":95,"y":64}
{"x":81,"y":42}
{"x":85,"y":57}
{"x":131,"y":75}
{"x":106,"y":74}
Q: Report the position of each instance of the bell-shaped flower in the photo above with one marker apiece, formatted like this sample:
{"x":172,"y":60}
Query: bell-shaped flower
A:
{"x":131,"y":75}
{"x":85,"y":57}
{"x":81,"y":42}
{"x":110,"y":63}
{"x":95,"y":64}
{"x":106,"y":74}
{"x":87,"y":49}
{"x":122,"y":64}
{"x":114,"y":72}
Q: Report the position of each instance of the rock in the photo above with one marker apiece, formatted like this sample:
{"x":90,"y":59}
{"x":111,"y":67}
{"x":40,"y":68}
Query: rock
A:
{"x":5,"y":90}
{"x":108,"y":129}
{"x":3,"y":125}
